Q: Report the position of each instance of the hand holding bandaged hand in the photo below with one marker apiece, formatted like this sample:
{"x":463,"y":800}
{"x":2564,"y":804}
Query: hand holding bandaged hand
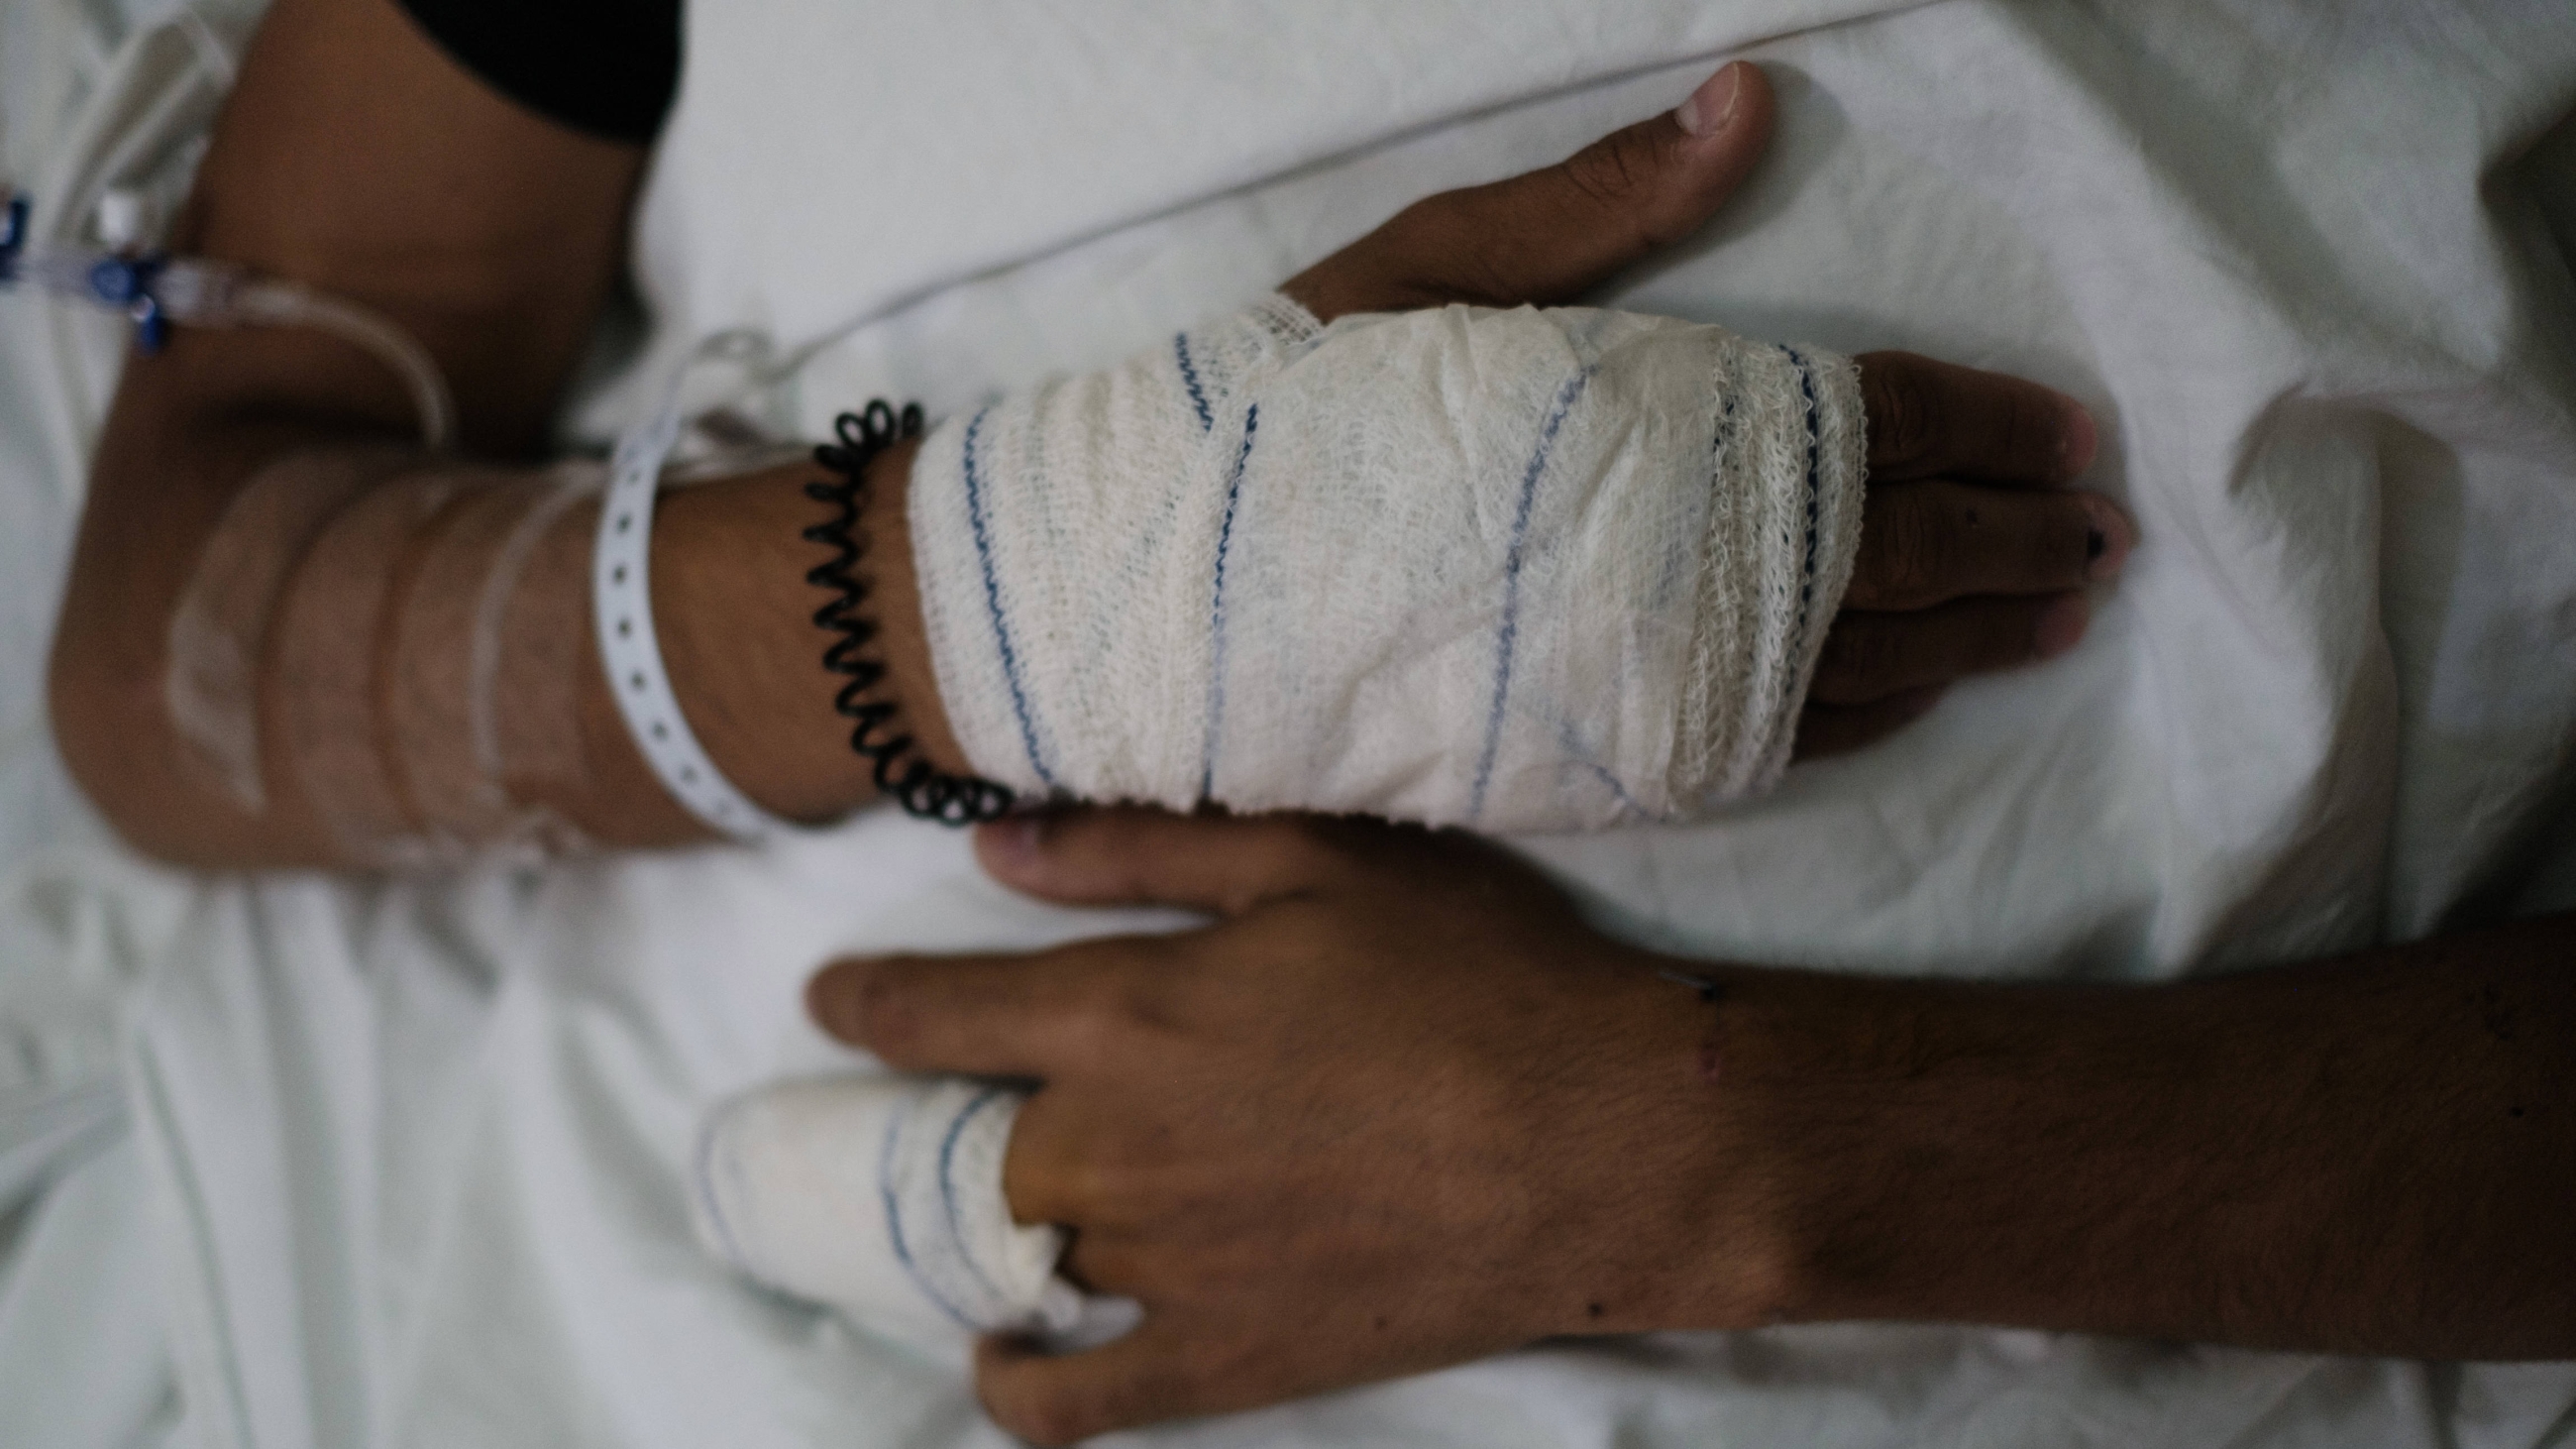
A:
{"x":1512,"y":567}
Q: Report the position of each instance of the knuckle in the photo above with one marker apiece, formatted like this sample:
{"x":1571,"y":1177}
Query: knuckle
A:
{"x":1083,"y":1187}
{"x":1902,"y":415}
{"x":1914,"y":554}
{"x":1408,"y":261}
{"x":1093,"y":1032}
{"x":1611,"y":171}
{"x":1625,"y":179}
{"x":1101,"y":1021}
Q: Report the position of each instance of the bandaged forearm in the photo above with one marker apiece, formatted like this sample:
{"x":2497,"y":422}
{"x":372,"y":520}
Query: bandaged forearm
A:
{"x":1522,"y":570}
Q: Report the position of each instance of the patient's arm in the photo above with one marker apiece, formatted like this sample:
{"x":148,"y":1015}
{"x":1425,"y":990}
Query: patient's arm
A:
{"x":1400,"y":1107}
{"x":356,"y":158}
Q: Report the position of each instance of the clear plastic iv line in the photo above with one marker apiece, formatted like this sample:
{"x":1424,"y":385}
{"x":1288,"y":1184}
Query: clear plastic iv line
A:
{"x":157,"y":290}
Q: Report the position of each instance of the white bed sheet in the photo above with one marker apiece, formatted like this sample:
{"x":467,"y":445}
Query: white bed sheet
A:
{"x":411,"y":1149}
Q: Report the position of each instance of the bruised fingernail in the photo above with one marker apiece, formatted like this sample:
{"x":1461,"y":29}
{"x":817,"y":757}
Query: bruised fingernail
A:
{"x":2108,"y":541}
{"x":2077,"y":441}
{"x":2060,"y":625}
{"x":1709,"y":108}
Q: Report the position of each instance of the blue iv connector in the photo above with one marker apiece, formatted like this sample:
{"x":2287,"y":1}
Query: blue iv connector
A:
{"x":127,"y":282}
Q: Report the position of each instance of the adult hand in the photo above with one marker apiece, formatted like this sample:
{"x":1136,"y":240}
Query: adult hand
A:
{"x":1398,"y":1108}
{"x":1972,"y":553}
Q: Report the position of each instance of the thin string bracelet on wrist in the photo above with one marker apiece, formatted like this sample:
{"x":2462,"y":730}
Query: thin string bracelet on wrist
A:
{"x":897,"y":768}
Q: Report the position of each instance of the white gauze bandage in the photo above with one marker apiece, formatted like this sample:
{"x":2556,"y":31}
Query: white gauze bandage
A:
{"x":882,"y":1197}
{"x":1524,"y":570}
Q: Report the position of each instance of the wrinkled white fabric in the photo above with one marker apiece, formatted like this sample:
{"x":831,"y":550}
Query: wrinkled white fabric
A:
{"x":1522,"y":570}
{"x":416,"y":1152}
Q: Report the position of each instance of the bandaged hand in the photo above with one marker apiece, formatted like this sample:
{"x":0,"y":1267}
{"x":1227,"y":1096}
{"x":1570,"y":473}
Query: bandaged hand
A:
{"x":1515,"y":569}
{"x":1971,"y":548}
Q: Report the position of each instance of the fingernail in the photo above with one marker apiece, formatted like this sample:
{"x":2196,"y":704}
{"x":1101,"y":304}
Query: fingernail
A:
{"x":2107,"y":543}
{"x":1710,"y":107}
{"x":2077,"y":442}
{"x":2060,"y":625}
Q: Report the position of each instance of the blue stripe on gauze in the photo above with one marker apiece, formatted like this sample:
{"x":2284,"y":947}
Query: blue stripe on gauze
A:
{"x":1807,"y":579}
{"x":1216,"y":608}
{"x":1190,"y":380}
{"x":993,"y":602}
{"x":954,"y":1217}
{"x":1509,"y":632}
{"x":896,"y":1229}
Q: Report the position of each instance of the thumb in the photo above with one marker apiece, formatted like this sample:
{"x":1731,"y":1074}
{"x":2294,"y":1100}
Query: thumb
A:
{"x":1549,"y":235}
{"x":1130,"y":855}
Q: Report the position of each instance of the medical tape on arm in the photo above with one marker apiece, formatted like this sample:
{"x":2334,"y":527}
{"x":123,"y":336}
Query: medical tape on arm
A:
{"x":1523,"y":570}
{"x":395,"y":638}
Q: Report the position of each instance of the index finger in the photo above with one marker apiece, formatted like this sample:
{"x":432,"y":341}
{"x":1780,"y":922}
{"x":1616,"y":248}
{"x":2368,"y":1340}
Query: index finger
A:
{"x":1929,"y":418}
{"x":1017,"y":1015}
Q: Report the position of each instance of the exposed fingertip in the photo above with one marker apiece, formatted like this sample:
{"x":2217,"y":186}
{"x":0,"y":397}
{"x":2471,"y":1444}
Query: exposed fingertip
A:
{"x":1711,"y":108}
{"x":2060,"y":625}
{"x":2107,"y":543}
{"x":2077,"y":441}
{"x":1013,"y":848}
{"x":835,"y":998}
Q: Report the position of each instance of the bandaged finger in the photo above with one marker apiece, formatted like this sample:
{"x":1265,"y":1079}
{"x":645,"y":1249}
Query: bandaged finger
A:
{"x":882,"y":1198}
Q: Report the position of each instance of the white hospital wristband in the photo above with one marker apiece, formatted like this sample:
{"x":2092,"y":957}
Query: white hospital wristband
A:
{"x":622,"y":612}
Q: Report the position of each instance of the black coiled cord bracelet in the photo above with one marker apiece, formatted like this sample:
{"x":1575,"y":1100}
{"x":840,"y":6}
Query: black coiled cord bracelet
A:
{"x":922,"y":791}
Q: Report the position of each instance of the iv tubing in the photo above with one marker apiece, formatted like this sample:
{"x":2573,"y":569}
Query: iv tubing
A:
{"x":285,"y":304}
{"x":157,"y":290}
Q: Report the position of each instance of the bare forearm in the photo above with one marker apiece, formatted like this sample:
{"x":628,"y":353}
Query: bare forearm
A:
{"x":2376,"y":1155}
